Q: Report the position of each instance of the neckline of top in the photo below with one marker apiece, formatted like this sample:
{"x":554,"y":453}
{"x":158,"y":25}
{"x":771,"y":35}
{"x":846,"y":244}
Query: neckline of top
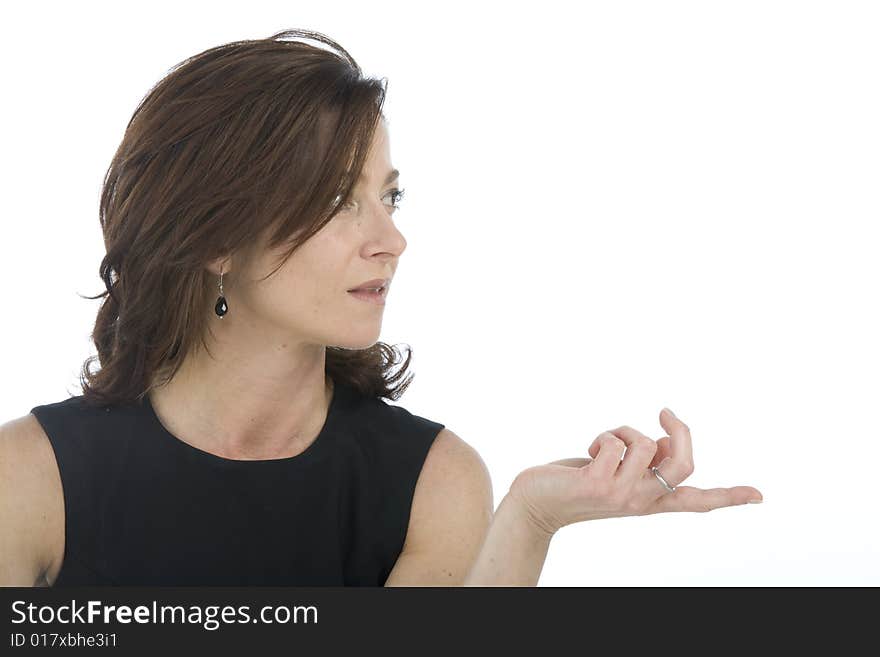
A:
{"x":315,"y":448}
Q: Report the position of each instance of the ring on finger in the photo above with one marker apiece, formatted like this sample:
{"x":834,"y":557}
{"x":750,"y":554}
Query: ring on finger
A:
{"x":660,"y":478}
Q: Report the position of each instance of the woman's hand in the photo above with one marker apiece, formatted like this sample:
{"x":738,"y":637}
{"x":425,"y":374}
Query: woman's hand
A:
{"x":573,"y":490}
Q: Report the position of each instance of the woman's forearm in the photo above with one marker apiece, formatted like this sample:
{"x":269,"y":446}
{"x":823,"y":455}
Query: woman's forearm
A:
{"x":514,"y":551}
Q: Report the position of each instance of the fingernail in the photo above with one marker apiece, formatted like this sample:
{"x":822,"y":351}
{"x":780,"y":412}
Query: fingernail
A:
{"x":755,"y":501}
{"x":670,"y":412}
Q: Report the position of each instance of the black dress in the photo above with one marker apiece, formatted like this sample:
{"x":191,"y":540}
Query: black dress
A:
{"x":143,"y":508}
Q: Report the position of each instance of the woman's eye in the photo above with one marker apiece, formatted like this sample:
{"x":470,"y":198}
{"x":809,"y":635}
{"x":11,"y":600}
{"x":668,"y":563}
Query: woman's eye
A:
{"x":397,"y":196}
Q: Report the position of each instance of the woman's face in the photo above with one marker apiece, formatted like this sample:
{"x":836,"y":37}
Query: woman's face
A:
{"x":307,"y":299}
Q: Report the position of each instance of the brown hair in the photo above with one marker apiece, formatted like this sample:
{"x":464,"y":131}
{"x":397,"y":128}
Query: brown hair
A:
{"x":198,"y":176}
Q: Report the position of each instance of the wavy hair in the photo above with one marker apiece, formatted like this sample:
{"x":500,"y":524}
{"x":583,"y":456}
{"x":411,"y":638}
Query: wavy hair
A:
{"x":197,"y":177}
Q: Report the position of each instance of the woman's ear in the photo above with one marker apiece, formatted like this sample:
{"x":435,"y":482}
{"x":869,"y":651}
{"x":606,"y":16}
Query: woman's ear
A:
{"x":218,"y":265}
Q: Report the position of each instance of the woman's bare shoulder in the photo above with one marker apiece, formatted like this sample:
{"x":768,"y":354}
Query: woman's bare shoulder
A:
{"x":31,"y":505}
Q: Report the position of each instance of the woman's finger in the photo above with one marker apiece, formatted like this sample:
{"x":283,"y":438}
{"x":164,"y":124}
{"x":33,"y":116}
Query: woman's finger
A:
{"x":663,"y":451}
{"x":680,"y":463}
{"x":699,"y":500}
{"x":639,"y":451}
{"x":608,"y":454}
{"x":574,"y":462}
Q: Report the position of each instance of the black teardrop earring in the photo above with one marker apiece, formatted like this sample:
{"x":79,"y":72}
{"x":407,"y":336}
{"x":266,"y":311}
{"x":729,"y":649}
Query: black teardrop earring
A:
{"x":220,"y":307}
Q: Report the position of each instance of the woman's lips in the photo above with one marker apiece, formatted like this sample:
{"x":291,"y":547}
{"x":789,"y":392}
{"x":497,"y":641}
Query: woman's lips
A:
{"x":370,"y":296}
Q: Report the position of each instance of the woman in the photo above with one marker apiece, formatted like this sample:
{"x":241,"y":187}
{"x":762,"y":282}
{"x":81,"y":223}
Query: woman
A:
{"x":235,"y":433}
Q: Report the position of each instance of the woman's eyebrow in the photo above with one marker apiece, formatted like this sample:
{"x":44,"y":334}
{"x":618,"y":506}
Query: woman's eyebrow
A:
{"x":392,"y":175}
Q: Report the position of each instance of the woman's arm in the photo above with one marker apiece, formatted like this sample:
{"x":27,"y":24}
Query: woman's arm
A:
{"x":454,"y":538}
{"x":514,"y":551}
{"x":451,"y":513}
{"x":30,"y":502}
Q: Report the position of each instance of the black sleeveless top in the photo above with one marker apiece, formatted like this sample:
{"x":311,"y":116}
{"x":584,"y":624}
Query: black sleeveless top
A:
{"x":144,"y":508}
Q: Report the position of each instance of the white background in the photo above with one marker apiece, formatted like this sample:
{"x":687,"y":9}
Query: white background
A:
{"x":611,"y":207}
